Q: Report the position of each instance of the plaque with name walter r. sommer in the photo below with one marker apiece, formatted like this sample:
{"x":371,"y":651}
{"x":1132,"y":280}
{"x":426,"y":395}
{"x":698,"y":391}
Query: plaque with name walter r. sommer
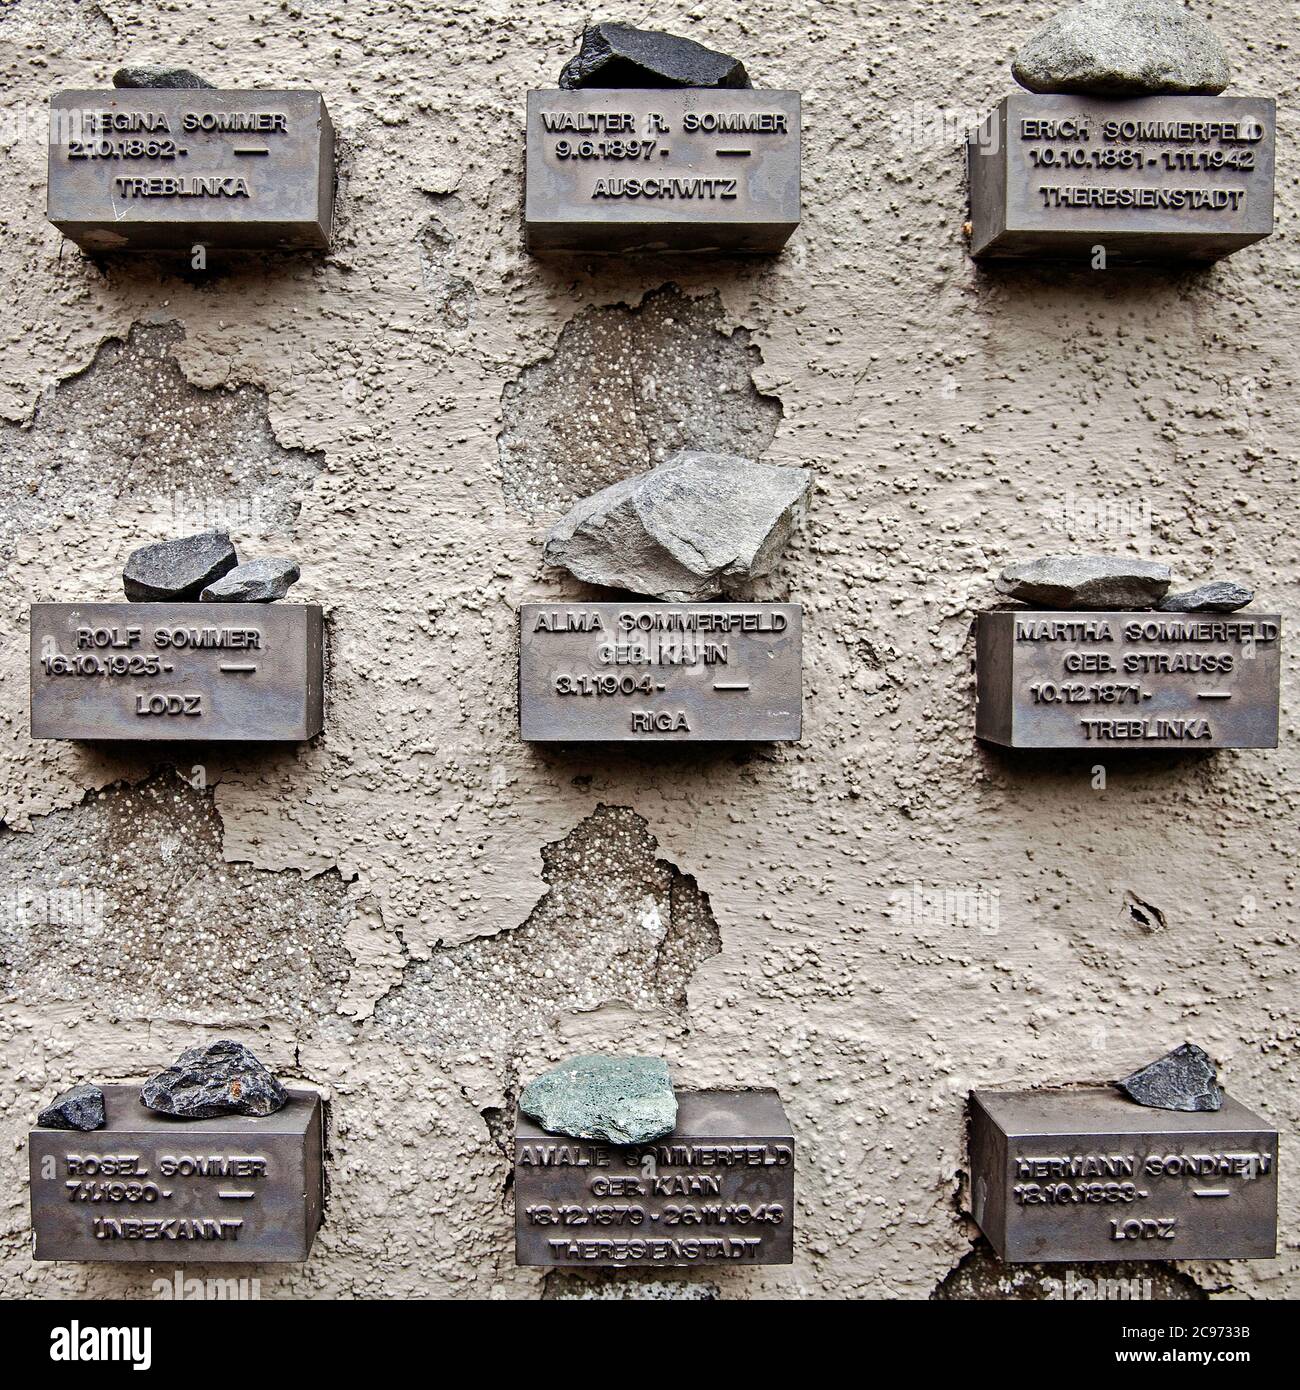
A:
{"x":693,"y":169}
{"x":1088,"y":1174}
{"x":1141,"y":179}
{"x":203,"y":672}
{"x":718,"y":1190}
{"x":150,"y":169}
{"x":1111,"y":680}
{"x":152,"y":1189}
{"x":660,"y":672}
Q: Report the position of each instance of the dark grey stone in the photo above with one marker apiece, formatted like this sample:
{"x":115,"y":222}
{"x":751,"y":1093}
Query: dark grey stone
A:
{"x":79,"y":1107}
{"x":618,"y":1100}
{"x":255,"y":581}
{"x":1086,"y":581}
{"x":617,"y":55}
{"x":158,"y":77}
{"x":1183,"y":1079}
{"x":1124,"y":48}
{"x":1219,"y":596}
{"x":689,"y":530}
{"x":223,"y":1078}
{"x":179,"y":570}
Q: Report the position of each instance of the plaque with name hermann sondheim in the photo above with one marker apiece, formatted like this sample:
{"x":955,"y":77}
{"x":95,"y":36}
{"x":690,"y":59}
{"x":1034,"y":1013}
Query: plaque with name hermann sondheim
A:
{"x":1104,"y":681}
{"x":660,"y":672}
{"x":150,"y":1189}
{"x":1140,"y":179}
{"x":150,"y":169}
{"x":1088,"y":1174}
{"x":620,"y":169}
{"x":718,"y":1190}
{"x":201,"y":672}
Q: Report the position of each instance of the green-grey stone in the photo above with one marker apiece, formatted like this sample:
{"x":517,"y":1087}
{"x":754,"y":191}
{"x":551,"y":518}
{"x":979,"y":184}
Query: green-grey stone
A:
{"x":619,"y":1100}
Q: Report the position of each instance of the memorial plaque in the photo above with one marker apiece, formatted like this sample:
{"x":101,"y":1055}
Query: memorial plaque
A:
{"x":201,"y":672}
{"x":685,"y":169}
{"x":718,"y":1190}
{"x":152,"y":1189}
{"x":146,"y":169}
{"x":660,"y":672}
{"x":1106,"y":680}
{"x":1090,"y":1175}
{"x":1146,"y":179}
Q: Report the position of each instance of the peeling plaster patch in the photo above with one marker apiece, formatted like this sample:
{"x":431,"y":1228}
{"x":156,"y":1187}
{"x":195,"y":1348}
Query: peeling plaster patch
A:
{"x":624,"y":389}
{"x":615,"y":924}
{"x":981,"y":1275}
{"x":1145,"y":915}
{"x":126,"y":900}
{"x":626,"y":1285}
{"x":451,"y":295}
{"x":131,"y":426}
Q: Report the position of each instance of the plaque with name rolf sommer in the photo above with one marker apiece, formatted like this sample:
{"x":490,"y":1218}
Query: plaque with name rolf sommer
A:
{"x":718,"y":1190}
{"x":660,"y":672}
{"x":1090,"y":1175}
{"x":155,"y":169}
{"x":686,"y":169}
{"x":1150,"y":178}
{"x":204,"y":672}
{"x":152,"y":1189}
{"x":1105,"y":680}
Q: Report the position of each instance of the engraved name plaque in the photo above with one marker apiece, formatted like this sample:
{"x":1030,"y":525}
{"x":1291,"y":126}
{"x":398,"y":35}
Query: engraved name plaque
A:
{"x":202,"y":672}
{"x":718,"y":1190}
{"x":151,"y":1189}
{"x":1144,"y":179}
{"x":1106,"y":680}
{"x":667,"y":672}
{"x":693,"y":169}
{"x":167,"y":169}
{"x":1090,"y":1175}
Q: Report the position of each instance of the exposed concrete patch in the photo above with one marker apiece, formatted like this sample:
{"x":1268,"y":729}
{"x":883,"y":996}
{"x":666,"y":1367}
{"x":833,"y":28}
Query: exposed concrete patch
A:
{"x":981,"y":1275}
{"x":623,"y":389}
{"x":450,"y":294}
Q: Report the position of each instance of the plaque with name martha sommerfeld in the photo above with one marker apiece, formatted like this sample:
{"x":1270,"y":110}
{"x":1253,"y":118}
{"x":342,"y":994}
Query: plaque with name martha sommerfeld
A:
{"x":1121,"y":680}
{"x":660,"y":672}
{"x":206,"y":672}
{"x":150,"y":1189}
{"x":1087,"y":1174}
{"x":151,"y":169}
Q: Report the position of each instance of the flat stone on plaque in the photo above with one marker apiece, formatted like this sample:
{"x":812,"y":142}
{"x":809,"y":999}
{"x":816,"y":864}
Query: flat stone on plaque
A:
{"x":1087,"y":1174}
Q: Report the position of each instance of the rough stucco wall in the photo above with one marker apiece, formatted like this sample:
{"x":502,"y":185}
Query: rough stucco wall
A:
{"x":955,"y":417}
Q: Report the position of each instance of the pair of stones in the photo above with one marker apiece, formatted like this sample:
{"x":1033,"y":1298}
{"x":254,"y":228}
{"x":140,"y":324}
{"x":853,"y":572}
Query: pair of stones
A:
{"x":1113,"y":581}
{"x":204,"y":567}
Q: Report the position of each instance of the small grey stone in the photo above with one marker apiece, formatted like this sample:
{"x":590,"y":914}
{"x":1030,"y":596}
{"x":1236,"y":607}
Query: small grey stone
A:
{"x":255,"y":581}
{"x":1086,"y":581}
{"x":223,"y":1078}
{"x":617,"y":55}
{"x":177,"y":571}
{"x":79,"y":1107}
{"x":1123,"y":48}
{"x":1183,"y":1079}
{"x":1220,"y":596}
{"x":688,"y":530}
{"x":158,"y":77}
{"x":619,"y":1100}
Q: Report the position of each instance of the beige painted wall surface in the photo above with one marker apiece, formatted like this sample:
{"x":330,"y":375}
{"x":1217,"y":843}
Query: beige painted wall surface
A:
{"x":416,"y":912}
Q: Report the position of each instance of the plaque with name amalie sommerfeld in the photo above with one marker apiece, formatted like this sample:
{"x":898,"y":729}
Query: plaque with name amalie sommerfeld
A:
{"x":204,"y":672}
{"x":152,"y":169}
{"x":718,"y":1190}
{"x":149,"y":1189}
{"x":1106,"y":681}
{"x":1088,"y":1175}
{"x":660,"y":672}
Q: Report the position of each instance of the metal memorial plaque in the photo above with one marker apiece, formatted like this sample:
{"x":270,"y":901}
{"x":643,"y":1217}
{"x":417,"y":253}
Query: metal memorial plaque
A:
{"x":200,"y":672}
{"x":1090,"y":1175}
{"x":718,"y":1190}
{"x":147,"y":169}
{"x":1148,"y":178}
{"x":689,"y":169}
{"x":148,"y":1188}
{"x":660,"y":672}
{"x":1106,"y":680}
